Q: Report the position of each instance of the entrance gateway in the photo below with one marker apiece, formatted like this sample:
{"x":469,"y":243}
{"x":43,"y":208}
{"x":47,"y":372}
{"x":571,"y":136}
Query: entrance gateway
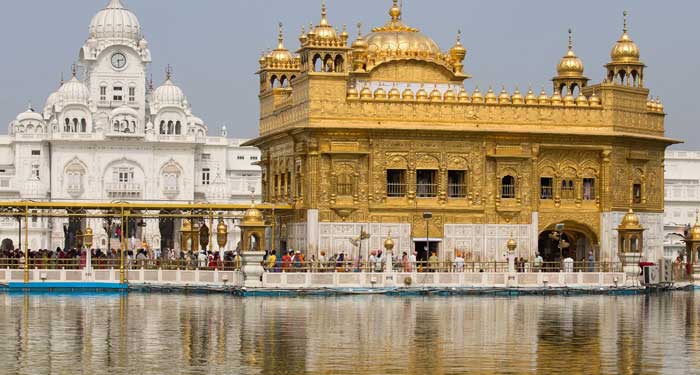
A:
{"x":419,"y":246}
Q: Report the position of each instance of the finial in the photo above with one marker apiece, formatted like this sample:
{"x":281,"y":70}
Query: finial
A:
{"x":29,"y":106}
{"x":624,"y":22}
{"x":168,"y":72}
{"x":61,"y":83}
{"x":571,"y":42}
{"x":324,"y":21}
{"x":395,"y":11}
{"x":696,"y":216}
{"x":359,"y":29}
{"x":280,"y":37}
{"x":74,"y":70}
{"x":459,"y":36}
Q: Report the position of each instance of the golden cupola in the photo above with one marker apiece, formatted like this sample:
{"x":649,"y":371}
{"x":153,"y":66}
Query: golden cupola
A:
{"x":396,"y":41}
{"x":570,"y":71}
{"x":458,"y":53}
{"x":625,"y":67}
{"x":324,"y":33}
{"x":359,"y":51}
{"x":323,"y":48}
{"x":280,"y":56}
{"x":278,"y":67}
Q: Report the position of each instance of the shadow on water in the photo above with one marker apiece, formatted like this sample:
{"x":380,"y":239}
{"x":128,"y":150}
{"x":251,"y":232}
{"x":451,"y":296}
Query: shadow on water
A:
{"x":152,"y":334}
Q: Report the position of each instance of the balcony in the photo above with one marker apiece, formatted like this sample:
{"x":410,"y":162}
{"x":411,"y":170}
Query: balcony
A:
{"x":123,"y":189}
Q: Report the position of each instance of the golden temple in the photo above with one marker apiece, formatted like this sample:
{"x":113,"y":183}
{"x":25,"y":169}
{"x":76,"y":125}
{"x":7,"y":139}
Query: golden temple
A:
{"x":371,"y":134}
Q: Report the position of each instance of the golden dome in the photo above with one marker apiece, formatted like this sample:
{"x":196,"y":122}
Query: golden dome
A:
{"x":476,"y":96}
{"x":625,"y":50}
{"x":556,"y":98}
{"x":569,"y":99}
{"x":352,"y":92}
{"x":389,"y":243}
{"x":511,"y":244}
{"x":394,"y":93}
{"x":630,"y":221}
{"x":435,"y":95}
{"x":544,"y":99}
{"x":530,"y":97}
{"x":365,"y":93}
{"x":397,"y":39}
{"x":503,"y":97}
{"x":458,"y":52}
{"x":450,"y":95}
{"x":360,"y":43}
{"x":659,"y":105}
{"x":379,"y":93}
{"x":422,"y":95}
{"x":408,"y":94}
{"x":253,"y":216}
{"x":491,"y":96}
{"x":570,"y":65}
{"x":463,"y":96}
{"x":517,"y":97}
{"x":324,"y":31}
{"x":694,"y":232}
{"x":280,"y":55}
{"x":594,"y":100}
{"x":581,"y":100}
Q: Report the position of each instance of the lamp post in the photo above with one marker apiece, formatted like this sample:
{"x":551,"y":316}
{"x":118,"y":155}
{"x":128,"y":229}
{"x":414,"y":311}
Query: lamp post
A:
{"x":389,"y":246}
{"x":87,"y":242}
{"x":221,"y":235}
{"x":427,"y":216}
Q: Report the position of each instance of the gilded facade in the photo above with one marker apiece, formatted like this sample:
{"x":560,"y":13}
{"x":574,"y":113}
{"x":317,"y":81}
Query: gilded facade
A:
{"x":370,"y":134}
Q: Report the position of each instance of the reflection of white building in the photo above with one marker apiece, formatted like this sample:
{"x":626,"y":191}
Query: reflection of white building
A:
{"x":108,"y":135}
{"x":682,"y":190}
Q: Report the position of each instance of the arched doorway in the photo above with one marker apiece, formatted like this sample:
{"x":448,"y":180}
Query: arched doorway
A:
{"x":581,"y":238}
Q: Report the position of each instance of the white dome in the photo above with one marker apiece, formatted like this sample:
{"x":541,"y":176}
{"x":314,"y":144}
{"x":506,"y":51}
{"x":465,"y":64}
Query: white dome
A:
{"x":124,"y":111}
{"x":74,"y":91}
{"x":196,"y":121}
{"x":54,"y":98}
{"x":168,"y":94}
{"x":115,"y":22}
{"x":29,"y":115}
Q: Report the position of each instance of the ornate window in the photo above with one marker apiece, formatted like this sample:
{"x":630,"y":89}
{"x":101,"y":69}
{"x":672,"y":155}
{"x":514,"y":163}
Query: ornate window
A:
{"x":395,"y":183}
{"x":508,"y":187}
{"x":457,"y":184}
{"x":637,"y":193}
{"x":546,"y":188}
{"x":426,"y":183}
{"x":589,"y":189}
{"x":568,"y":189}
{"x":73,"y":178}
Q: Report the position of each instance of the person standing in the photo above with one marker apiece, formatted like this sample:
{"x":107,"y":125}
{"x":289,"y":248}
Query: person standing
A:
{"x":538,"y":262}
{"x":433,"y":262}
{"x":459,"y":262}
{"x":591,"y":262}
{"x":271,"y":259}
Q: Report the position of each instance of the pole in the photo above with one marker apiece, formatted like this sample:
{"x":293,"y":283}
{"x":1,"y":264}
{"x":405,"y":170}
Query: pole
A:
{"x":211,"y":231}
{"x":274,"y":219}
{"x":122,"y":278}
{"x":26,"y":244}
{"x":427,"y":243}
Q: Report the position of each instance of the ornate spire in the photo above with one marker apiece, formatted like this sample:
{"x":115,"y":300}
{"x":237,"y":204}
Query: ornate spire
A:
{"x":61,"y":82}
{"x":395,"y":11}
{"x":571,"y":42}
{"x":168,"y":72}
{"x":624,"y":22}
{"x":74,"y":70}
{"x":280,"y":37}
{"x":324,"y":20}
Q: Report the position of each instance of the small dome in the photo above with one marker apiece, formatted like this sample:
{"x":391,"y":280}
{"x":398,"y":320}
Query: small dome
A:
{"x":74,"y":91}
{"x":570,"y":65}
{"x":544,"y":99}
{"x":422,"y":95}
{"x":168,"y":94}
{"x":360,"y":43}
{"x":581,"y":100}
{"x":253,"y":217}
{"x":29,"y":114}
{"x":477,"y":97}
{"x":115,"y":22}
{"x":694,"y":233}
{"x":625,"y":50}
{"x":530,"y":98}
{"x":569,"y":100}
{"x":463,"y":96}
{"x":408,"y":94}
{"x":352,"y":93}
{"x":491,"y":97}
{"x":124,"y":110}
{"x":503,"y":97}
{"x":630,"y":221}
{"x":394,"y":94}
{"x":280,"y":55}
{"x":450,"y":95}
{"x":379,"y":93}
{"x":458,"y":52}
{"x":324,"y":31}
{"x":54,"y":98}
{"x":594,"y":100}
{"x":366,"y":93}
{"x":517,"y":97}
{"x":435,"y":95}
{"x":556,"y":98}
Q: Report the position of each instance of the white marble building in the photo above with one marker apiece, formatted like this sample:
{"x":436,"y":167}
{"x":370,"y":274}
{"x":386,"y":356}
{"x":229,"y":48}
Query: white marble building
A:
{"x":108,"y":135}
{"x":682,"y":197}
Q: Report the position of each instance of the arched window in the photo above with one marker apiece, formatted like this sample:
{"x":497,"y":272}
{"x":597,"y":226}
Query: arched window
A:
{"x":567,"y":189}
{"x":508,"y":187}
{"x":83,"y":126}
{"x":115,"y":127}
{"x":66,"y":128}
{"x":318,"y":63}
{"x":273,"y":82}
{"x":133,"y":126}
{"x":339,"y":63}
{"x":328,"y":64}
{"x":178,"y":127}
{"x":75,"y":128}
{"x":170,"y":127}
{"x":162,"y":127}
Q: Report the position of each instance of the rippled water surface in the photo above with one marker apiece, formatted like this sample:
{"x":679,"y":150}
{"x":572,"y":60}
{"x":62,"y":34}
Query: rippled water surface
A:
{"x":172,"y":334}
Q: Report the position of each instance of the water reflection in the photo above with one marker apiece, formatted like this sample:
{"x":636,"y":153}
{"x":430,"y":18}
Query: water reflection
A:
{"x":153,"y":333}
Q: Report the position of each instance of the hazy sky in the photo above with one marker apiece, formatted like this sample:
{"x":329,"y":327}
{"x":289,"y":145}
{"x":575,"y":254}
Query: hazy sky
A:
{"x":214,"y":46}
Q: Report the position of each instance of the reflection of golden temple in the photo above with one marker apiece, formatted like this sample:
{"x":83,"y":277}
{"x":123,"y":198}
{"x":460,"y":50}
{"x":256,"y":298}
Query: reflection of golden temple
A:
{"x":381,"y":129}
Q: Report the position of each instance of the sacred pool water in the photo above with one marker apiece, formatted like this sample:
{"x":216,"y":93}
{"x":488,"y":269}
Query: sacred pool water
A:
{"x":205,"y":334}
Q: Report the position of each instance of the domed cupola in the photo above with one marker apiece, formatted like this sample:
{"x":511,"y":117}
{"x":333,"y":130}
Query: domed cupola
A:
{"x":324,"y":30}
{"x":115,"y":22}
{"x":625,"y":67}
{"x":29,"y":115}
{"x":570,"y":71}
{"x":168,"y":94}
{"x":74,"y":92}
